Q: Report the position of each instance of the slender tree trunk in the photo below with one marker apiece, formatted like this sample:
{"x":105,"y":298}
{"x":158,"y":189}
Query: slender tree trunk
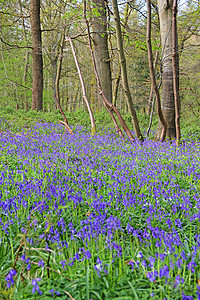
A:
{"x":26,"y":56}
{"x":101,"y":52}
{"x":153,"y":78}
{"x":54,"y":60}
{"x":92,"y":93}
{"x":59,"y":67}
{"x":116,"y":86}
{"x":117,"y":81}
{"x":175,"y":72}
{"x":93,"y":129}
{"x":37,"y":88}
{"x":150,"y":100}
{"x":124,"y":71}
{"x":167,"y":103}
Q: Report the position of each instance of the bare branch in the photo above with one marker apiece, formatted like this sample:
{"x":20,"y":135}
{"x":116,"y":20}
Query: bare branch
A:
{"x":15,"y":45}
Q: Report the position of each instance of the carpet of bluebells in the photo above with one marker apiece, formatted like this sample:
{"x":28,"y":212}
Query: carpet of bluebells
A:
{"x":92,"y":217}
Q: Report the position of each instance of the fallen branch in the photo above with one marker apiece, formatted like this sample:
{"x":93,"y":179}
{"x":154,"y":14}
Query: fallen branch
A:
{"x":64,"y":117}
{"x":66,"y":126}
{"x":69,"y":295}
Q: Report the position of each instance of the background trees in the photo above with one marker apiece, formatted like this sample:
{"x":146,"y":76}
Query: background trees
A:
{"x":65,"y":18}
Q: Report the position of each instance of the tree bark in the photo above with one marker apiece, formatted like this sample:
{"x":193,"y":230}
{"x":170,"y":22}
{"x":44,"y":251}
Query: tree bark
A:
{"x":37,"y":88}
{"x":176,"y":71}
{"x":124,"y":71}
{"x":167,"y":103}
{"x":101,"y":52}
{"x":152,"y":72}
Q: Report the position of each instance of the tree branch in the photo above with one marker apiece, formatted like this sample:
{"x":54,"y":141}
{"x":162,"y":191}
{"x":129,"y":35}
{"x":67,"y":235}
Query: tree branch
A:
{"x":15,"y":45}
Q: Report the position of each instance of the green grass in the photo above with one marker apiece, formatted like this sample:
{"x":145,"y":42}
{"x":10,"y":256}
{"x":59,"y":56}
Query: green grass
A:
{"x":15,"y":120}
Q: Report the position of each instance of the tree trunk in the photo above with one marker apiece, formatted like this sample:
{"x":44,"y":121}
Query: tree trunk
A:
{"x":167,"y":103}
{"x":151,"y":96}
{"x":60,"y":59}
{"x":100,"y":38}
{"x":124,"y":71}
{"x":152,"y":72}
{"x":26,"y":61}
{"x":54,"y":59}
{"x":117,"y":81}
{"x":176,"y":71}
{"x":37,"y":88}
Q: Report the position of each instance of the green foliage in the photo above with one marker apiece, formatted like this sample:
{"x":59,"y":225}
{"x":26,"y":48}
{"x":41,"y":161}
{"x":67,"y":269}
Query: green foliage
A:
{"x":17,"y":120}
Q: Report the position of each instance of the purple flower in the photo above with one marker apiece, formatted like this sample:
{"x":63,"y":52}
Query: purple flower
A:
{"x":99,"y":261}
{"x":185,"y":297}
{"x":71,"y":263}
{"x":158,"y":244}
{"x":178,"y":280}
{"x":63,"y":263}
{"x":191,"y":266}
{"x":140,"y":255}
{"x":164,"y":272}
{"x":9,"y":278}
{"x":41,"y":263}
{"x":131,"y":263}
{"x":36,"y":286}
{"x":152,"y":275}
{"x":198,"y":291}
{"x":23,"y":257}
{"x":152,"y":261}
{"x":144,"y":263}
{"x":178,"y":223}
{"x":87,"y":254}
{"x":52,"y":291}
{"x":76,"y":256}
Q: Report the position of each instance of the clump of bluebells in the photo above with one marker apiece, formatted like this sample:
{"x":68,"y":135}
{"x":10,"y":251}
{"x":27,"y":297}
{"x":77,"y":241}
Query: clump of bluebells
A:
{"x":10,"y":279}
{"x":90,"y":215}
{"x":36,"y":286}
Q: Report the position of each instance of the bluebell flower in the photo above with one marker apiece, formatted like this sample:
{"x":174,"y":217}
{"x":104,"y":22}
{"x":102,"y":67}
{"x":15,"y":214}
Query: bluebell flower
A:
{"x":185,"y":297}
{"x":41,"y":263}
{"x":63,"y":263}
{"x":52,"y":291}
{"x":36,"y":286}
{"x":87,"y":254}
{"x":9,"y":278}
{"x":23,"y":257}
